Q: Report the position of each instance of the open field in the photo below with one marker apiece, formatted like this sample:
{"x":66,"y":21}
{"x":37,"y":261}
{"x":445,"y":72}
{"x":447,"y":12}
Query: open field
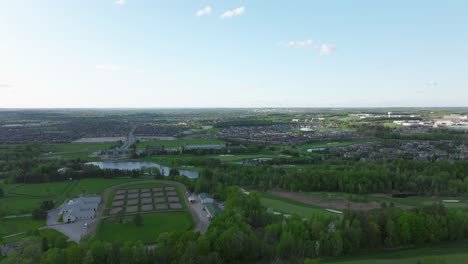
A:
{"x":50,"y":234}
{"x":153,"y":225}
{"x":18,"y":225}
{"x":338,"y":203}
{"x":437,"y":254}
{"x":413,"y":201}
{"x":182,"y":159}
{"x":98,"y":185}
{"x":75,"y":150}
{"x":24,"y":198}
{"x":292,"y":207}
{"x":179,"y":142}
{"x":336,"y":143}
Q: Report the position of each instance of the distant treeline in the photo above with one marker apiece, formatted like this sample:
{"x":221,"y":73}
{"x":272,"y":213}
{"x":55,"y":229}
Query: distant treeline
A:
{"x":380,"y":131}
{"x":246,"y":122}
{"x":389,"y":176}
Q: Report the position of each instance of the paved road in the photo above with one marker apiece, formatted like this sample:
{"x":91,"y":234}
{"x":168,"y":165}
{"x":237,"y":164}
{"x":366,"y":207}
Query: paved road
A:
{"x":130,"y":139}
{"x":16,"y":216}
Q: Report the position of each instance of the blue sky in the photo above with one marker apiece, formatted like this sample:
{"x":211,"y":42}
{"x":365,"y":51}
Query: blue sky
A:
{"x":233,"y":53}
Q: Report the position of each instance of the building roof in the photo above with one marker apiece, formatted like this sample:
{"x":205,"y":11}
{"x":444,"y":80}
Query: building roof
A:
{"x":81,"y":207}
{"x":204,"y":196}
{"x":212,"y":209}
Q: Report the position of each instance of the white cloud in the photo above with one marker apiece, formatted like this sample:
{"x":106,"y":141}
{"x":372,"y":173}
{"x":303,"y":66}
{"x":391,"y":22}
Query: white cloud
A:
{"x":323,"y":49}
{"x":432,"y":83}
{"x":204,"y":11}
{"x":233,"y":12}
{"x":304,"y":43}
{"x":326,"y":49}
{"x":120,"y":2}
{"x":109,"y":67}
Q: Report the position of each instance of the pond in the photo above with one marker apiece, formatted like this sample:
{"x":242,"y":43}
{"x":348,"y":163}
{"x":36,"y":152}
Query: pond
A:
{"x":136,"y":165}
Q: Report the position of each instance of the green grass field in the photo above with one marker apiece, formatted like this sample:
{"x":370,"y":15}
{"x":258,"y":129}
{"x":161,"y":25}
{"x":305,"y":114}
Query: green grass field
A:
{"x":179,"y":142}
{"x":24,"y":198}
{"x":75,"y":150}
{"x":18,"y":225}
{"x":414,"y":201}
{"x":153,"y":225}
{"x":292,"y":207}
{"x":456,"y":253}
{"x":98,"y":185}
{"x":335,"y":143}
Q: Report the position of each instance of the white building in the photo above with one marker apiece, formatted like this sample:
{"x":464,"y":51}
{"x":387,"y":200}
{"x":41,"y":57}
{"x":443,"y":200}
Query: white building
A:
{"x":80,"y":208}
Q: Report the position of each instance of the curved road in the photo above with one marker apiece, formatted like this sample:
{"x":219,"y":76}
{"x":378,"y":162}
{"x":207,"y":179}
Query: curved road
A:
{"x":199,"y":225}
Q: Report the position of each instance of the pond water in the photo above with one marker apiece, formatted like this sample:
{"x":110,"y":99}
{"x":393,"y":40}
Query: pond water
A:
{"x":136,"y":165}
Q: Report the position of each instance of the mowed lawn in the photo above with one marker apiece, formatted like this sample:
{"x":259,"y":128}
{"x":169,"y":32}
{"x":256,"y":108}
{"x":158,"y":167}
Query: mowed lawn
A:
{"x":153,"y":225}
{"x":18,"y":225}
{"x":437,"y":254}
{"x":179,"y":142}
{"x":24,"y":198}
{"x":98,"y":185}
{"x":292,"y":207}
{"x":414,"y":201}
{"x":75,"y":150}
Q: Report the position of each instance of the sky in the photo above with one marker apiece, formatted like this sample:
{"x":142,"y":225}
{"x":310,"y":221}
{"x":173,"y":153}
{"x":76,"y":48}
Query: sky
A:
{"x":233,"y":53}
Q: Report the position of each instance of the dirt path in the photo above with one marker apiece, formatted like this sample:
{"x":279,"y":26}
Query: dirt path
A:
{"x":107,"y":192}
{"x":336,"y":204}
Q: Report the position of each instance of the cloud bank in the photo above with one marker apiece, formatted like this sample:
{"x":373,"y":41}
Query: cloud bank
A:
{"x":204,"y":11}
{"x":323,"y":49}
{"x":233,"y":12}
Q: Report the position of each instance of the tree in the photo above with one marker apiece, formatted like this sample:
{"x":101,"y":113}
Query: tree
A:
{"x":138,"y":220}
{"x":2,"y":194}
{"x":45,"y":244}
{"x":54,"y":255}
{"x":120,"y":217}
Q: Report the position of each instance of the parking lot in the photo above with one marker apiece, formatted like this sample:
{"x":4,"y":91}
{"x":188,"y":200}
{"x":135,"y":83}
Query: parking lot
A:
{"x":75,"y":231}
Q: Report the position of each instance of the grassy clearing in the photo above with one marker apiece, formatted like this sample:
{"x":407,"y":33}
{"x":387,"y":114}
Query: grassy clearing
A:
{"x":177,"y":161}
{"x":153,"y":225}
{"x":98,"y":185}
{"x":335,"y":143}
{"x":18,"y":225}
{"x":292,"y":207}
{"x":144,"y":185}
{"x":24,"y":198}
{"x":179,"y":142}
{"x":438,"y":254}
{"x":415,"y":201}
{"x":51,"y":234}
{"x":75,"y":150}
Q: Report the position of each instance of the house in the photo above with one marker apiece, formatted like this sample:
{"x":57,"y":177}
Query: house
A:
{"x":205,"y":198}
{"x":4,"y":249}
{"x":80,"y":208}
{"x":211,"y":210}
